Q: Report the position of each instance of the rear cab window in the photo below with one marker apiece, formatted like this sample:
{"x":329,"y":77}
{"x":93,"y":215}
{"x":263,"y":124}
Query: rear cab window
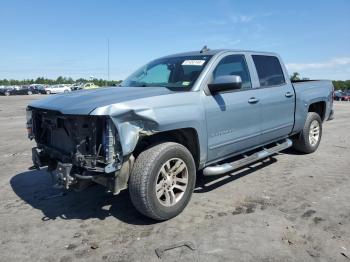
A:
{"x":269,"y":70}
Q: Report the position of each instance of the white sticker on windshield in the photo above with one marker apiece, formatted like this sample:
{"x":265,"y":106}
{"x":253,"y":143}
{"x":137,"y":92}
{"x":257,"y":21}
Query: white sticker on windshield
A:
{"x":193,"y":62}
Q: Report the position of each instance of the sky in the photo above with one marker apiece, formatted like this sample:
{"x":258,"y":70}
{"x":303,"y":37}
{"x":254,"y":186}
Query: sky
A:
{"x":69,"y":38}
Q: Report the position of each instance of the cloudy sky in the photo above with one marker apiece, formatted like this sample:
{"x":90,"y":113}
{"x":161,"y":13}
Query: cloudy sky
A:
{"x":69,"y":38}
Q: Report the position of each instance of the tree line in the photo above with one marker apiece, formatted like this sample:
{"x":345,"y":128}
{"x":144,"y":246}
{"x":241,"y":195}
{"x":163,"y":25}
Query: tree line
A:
{"x":58,"y":80}
{"x":338,"y":84}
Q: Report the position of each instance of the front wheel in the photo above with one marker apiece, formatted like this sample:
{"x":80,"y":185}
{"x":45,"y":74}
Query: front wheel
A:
{"x":162,"y":180}
{"x":310,"y":137}
{"x":48,"y":92}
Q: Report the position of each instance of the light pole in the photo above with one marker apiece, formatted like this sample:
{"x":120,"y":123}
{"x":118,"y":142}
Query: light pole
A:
{"x":107,"y":61}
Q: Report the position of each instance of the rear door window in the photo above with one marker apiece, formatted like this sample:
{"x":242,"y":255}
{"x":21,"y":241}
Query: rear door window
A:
{"x":269,"y":70}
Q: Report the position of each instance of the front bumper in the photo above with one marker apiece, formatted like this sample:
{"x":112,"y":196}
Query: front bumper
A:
{"x":67,"y":175}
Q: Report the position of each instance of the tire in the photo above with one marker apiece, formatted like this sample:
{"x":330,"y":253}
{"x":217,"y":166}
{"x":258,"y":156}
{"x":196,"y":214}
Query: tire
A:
{"x":7,"y":93}
{"x":147,"y":177}
{"x":304,"y":142}
{"x":65,"y":91}
{"x":29,"y":93}
{"x":48,"y":92}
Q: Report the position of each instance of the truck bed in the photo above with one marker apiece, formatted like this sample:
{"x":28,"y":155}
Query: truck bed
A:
{"x":306,"y":93}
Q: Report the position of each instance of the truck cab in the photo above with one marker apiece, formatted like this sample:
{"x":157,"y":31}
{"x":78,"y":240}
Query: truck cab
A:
{"x":247,"y":116}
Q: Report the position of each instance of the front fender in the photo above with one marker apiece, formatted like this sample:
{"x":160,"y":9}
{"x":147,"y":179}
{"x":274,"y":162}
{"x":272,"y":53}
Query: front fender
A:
{"x":133,"y":123}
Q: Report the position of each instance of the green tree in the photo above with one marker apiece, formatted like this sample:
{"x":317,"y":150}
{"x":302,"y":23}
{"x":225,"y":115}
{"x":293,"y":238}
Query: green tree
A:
{"x":295,"y":76}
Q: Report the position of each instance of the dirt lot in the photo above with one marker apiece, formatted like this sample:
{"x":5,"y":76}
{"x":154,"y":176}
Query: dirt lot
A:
{"x":289,"y":208}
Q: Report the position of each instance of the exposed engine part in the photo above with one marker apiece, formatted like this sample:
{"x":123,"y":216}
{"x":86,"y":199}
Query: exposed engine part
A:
{"x":79,"y":150}
{"x":63,"y":176}
{"x":88,"y":142}
{"x":112,"y":157}
{"x":120,"y":181}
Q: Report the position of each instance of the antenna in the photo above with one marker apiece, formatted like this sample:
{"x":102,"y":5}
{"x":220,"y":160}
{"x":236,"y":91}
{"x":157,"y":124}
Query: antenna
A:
{"x":204,"y":49}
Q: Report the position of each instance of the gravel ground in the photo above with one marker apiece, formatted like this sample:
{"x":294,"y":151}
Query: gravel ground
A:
{"x":289,"y":208}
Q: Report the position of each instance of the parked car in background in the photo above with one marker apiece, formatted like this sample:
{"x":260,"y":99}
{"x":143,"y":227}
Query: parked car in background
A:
{"x":341,"y":96}
{"x":76,"y":86}
{"x":347,"y":92}
{"x":57,"y":89}
{"x":6,"y":90}
{"x":27,"y":90}
{"x":88,"y":86}
{"x":23,"y":90}
{"x":39,"y":88}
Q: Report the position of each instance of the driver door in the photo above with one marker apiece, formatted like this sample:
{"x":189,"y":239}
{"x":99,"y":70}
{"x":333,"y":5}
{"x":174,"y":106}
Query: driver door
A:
{"x":234,"y":116}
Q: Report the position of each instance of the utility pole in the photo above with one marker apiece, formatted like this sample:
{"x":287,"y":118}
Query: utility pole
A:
{"x":107,"y":61}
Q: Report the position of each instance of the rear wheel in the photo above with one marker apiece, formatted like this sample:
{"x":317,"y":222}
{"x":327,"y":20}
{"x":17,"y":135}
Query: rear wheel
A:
{"x":310,"y":137}
{"x":29,"y":93}
{"x":162,"y":180}
{"x":7,"y":93}
{"x":48,"y":92}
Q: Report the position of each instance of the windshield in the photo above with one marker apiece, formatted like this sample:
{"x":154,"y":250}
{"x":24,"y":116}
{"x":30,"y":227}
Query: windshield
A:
{"x":176,"y":73}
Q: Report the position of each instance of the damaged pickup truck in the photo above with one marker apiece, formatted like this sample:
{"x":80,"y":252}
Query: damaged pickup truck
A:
{"x":212,"y":111}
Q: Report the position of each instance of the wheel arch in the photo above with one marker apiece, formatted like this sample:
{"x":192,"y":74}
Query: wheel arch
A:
{"x":188,"y":137}
{"x":318,"y":107}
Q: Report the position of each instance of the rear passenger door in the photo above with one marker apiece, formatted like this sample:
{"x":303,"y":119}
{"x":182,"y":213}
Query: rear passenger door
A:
{"x":277,"y":98}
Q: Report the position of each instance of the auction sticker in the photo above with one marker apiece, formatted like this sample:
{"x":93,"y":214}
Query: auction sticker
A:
{"x":193,"y":62}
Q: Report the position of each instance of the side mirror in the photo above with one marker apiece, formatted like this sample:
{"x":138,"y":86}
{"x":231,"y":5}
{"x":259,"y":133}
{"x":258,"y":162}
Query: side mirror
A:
{"x":224,"y":83}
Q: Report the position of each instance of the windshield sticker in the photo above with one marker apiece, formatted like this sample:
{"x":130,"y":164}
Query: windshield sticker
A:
{"x":185,"y":83}
{"x":193,"y":62}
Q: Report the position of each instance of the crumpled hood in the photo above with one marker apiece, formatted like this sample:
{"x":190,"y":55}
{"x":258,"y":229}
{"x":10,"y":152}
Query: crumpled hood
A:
{"x":84,"y":101}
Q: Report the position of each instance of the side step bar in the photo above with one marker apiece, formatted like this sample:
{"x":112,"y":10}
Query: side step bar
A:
{"x":245,"y":160}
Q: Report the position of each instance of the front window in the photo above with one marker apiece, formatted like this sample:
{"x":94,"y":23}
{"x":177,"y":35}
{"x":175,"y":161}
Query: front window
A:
{"x":176,"y":73}
{"x":234,"y":65}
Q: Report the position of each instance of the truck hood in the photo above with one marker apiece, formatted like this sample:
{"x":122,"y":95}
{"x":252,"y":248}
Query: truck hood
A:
{"x":84,"y":101}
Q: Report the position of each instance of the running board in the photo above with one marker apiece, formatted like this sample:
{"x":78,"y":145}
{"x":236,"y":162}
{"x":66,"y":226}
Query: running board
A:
{"x":245,"y":160}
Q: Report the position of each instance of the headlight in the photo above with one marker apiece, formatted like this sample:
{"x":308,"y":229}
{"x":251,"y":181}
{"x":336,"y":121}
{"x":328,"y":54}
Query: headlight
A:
{"x":111,"y":147}
{"x":29,"y":124}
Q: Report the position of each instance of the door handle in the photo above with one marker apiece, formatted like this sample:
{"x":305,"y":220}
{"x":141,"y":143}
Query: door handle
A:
{"x":253,"y":100}
{"x":288,"y":94}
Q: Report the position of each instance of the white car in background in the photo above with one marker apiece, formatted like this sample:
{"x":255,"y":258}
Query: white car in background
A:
{"x":57,"y":89}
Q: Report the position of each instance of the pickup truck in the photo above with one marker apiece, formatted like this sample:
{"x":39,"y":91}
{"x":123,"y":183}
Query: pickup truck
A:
{"x":205,"y":112}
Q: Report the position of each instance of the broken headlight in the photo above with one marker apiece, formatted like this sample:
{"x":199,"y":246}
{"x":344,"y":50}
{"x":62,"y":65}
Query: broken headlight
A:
{"x":111,"y":146}
{"x":29,"y":124}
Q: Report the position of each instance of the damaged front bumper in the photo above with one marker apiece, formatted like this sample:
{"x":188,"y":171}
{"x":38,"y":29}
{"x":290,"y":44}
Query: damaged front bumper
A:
{"x":69,"y":176}
{"x":77,"y":149}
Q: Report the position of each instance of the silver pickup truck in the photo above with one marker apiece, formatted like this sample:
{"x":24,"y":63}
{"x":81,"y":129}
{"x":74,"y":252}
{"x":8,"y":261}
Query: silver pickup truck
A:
{"x":211,"y":111}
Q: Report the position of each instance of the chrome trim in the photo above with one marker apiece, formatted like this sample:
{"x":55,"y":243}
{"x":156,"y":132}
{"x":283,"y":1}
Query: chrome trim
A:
{"x":228,"y":167}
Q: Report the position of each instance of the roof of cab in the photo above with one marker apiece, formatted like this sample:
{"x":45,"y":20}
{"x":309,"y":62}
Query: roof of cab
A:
{"x":217,"y":51}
